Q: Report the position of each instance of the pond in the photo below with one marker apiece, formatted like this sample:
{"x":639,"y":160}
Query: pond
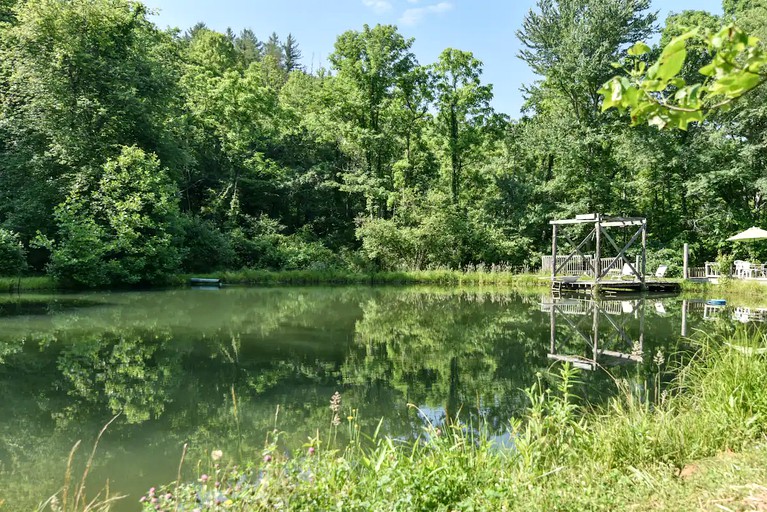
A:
{"x":219,"y":369}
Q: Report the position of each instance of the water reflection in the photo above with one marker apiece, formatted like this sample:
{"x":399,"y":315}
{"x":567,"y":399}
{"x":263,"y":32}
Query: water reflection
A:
{"x":219,"y":369}
{"x":602,"y":325}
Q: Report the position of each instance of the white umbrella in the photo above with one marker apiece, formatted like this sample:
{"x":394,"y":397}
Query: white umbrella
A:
{"x":752,"y":233}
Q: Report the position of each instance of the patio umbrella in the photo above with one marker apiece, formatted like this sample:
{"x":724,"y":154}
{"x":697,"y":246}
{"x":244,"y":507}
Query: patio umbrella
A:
{"x":752,"y":233}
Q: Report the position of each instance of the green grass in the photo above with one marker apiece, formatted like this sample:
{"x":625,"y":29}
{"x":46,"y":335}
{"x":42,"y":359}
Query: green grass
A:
{"x":14,"y":284}
{"x":672,"y":451}
{"x":744,"y":292}
{"x":437,"y":277}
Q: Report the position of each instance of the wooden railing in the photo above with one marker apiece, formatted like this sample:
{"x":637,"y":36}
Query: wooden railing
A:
{"x":713,"y":270}
{"x":580,"y":265}
{"x":696,"y":273}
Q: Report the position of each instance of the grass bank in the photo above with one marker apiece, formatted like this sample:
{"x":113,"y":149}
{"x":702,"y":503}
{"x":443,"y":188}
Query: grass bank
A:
{"x":745,"y":292}
{"x":678,"y":449}
{"x":339,"y":277}
{"x":312,"y":277}
{"x":24,"y":284}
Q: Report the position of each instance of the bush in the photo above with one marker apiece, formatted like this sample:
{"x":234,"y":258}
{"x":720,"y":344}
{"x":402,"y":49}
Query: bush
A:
{"x":440,"y":237}
{"x":669,"y":257}
{"x":122,"y":232}
{"x":13,"y":256}
{"x":206,"y":248}
{"x":259,"y":244}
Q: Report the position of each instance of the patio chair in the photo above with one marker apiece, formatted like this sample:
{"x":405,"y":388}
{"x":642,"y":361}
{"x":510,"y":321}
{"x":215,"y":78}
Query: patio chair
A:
{"x":661,"y":272}
{"x":627,"y":272}
{"x":747,"y":270}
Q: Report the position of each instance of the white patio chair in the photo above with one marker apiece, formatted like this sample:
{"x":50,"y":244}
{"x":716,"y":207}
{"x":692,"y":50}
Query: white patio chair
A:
{"x":740,"y":269}
{"x":661,"y":272}
{"x":750,"y":271}
{"x":627,"y":272}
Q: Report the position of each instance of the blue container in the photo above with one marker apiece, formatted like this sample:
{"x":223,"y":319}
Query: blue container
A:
{"x":716,"y":302}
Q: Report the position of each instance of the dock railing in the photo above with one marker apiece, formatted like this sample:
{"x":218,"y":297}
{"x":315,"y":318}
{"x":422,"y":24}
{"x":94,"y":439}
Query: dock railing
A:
{"x":697,"y":273}
{"x":580,"y":265}
{"x":713,"y":270}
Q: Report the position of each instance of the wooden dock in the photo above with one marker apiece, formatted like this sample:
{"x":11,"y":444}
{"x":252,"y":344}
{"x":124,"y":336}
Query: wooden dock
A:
{"x":613,"y":287}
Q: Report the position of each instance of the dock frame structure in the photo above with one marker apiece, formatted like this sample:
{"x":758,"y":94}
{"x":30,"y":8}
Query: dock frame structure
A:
{"x":573,"y":312}
{"x":595,"y":267}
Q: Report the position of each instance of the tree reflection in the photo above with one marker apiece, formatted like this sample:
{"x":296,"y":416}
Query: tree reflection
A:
{"x":464,"y":352}
{"x":219,"y":370}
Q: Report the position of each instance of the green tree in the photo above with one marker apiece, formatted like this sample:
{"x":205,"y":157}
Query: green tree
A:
{"x":80,"y":79}
{"x":371,"y":66}
{"x":573,"y":43}
{"x":292,"y":54}
{"x":13,"y":256}
{"x":248,"y":46}
{"x":273,"y":49}
{"x":463,"y":106}
{"x":122,"y":231}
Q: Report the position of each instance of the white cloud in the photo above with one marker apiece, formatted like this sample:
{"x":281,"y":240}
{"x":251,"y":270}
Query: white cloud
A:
{"x":379,"y":6}
{"x":415,"y":15}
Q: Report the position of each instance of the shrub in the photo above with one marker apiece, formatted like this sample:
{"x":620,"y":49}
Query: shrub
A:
{"x":122,"y":232}
{"x":13,"y":256}
{"x":669,"y":257}
{"x":259,"y":243}
{"x":206,"y":248}
{"x":444,"y":236}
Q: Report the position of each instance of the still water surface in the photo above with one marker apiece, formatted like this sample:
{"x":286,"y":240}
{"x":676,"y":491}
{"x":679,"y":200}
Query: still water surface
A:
{"x":218,"y":369}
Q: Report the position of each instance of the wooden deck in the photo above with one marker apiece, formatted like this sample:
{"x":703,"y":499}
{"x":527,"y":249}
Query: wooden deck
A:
{"x":614,"y":287}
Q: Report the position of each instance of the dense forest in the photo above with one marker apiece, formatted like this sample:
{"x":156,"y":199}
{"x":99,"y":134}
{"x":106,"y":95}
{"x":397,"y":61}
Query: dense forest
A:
{"x":129,"y":153}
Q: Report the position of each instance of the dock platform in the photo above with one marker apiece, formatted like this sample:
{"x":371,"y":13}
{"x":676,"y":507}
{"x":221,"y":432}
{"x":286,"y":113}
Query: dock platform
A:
{"x":613,"y":287}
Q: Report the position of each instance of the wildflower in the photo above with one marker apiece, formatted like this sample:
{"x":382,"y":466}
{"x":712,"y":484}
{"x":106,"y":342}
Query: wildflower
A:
{"x":142,"y":500}
{"x":438,"y":432}
{"x":168,"y":496}
{"x":204,"y":478}
{"x":267,"y":458}
{"x":311,"y":450}
{"x":335,"y":406}
{"x":218,"y":484}
{"x":637,"y":351}
{"x":216,"y":454}
{"x":659,"y":359}
{"x":151,"y":491}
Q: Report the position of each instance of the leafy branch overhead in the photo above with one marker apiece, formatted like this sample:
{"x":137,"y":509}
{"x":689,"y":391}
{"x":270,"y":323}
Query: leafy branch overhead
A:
{"x":658,"y":95}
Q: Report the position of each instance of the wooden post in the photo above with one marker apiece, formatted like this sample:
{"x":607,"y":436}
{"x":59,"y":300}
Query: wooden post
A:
{"x":553,"y":252}
{"x":597,"y":250}
{"x":596,"y":330}
{"x":640,"y":307}
{"x":643,"y":271}
{"x":686,"y":263}
{"x":553,"y":326}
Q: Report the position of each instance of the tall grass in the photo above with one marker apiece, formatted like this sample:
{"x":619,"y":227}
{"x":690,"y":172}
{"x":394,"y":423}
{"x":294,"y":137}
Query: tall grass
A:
{"x":72,"y":496}
{"x":564,"y":455}
{"x":16,"y":284}
{"x":745,"y":292}
{"x":469,"y":277}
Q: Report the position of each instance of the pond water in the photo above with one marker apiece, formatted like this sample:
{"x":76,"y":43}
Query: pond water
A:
{"x":219,"y":369}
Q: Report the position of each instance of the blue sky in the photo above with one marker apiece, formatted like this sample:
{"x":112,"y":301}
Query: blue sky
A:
{"x":485,"y":27}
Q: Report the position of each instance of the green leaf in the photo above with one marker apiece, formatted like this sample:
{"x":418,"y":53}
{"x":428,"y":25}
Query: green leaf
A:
{"x":670,"y":64}
{"x":639,"y":49}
